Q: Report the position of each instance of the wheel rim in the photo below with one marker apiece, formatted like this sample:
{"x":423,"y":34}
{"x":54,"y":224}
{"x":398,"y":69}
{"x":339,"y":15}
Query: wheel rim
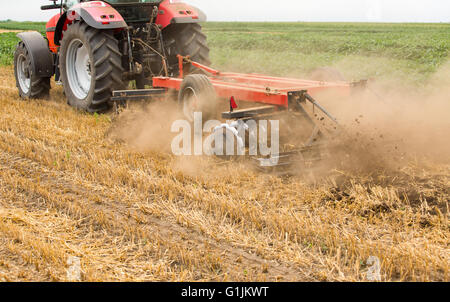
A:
{"x":78,"y":67}
{"x":23,"y":73}
{"x":190,"y":103}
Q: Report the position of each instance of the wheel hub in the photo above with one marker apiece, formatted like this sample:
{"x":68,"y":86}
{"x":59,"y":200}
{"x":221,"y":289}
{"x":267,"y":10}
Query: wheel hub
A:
{"x":23,"y":73}
{"x":78,"y":69}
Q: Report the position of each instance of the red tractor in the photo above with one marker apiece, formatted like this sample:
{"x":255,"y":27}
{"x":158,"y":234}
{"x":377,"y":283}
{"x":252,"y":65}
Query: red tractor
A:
{"x":96,"y":47}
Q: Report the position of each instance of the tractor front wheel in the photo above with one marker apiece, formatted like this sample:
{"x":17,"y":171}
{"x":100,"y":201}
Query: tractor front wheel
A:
{"x":91,"y":67}
{"x":30,"y":86}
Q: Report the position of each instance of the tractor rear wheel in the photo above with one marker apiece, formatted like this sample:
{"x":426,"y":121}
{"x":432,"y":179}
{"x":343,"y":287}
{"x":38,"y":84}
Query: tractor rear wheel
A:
{"x":185,"y":40}
{"x":30,"y":86}
{"x":91,"y":67}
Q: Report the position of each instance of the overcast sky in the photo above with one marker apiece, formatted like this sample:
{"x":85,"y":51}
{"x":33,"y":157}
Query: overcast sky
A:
{"x":280,"y":10}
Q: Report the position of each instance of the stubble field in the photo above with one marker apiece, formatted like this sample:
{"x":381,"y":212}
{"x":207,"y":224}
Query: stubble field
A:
{"x":134,"y":212}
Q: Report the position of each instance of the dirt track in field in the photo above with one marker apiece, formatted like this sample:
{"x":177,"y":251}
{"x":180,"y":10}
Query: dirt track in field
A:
{"x":67,"y":190}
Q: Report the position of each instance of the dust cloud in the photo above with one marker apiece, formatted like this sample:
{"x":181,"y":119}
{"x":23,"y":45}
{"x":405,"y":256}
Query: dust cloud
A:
{"x":146,"y":126}
{"x":383,"y":127}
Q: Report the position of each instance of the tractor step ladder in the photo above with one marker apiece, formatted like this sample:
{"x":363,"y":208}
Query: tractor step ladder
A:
{"x":133,"y":95}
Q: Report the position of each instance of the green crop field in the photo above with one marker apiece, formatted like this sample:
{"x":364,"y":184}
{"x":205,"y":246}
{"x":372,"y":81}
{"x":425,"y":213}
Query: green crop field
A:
{"x":8,"y":43}
{"x":408,"y":52}
{"x":13,"y":25}
{"x":8,"y":40}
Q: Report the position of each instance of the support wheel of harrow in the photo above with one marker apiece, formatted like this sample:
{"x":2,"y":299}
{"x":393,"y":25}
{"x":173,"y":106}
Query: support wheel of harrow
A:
{"x":197,"y":94}
{"x":186,"y":40}
{"x":91,"y":67}
{"x":30,"y":86}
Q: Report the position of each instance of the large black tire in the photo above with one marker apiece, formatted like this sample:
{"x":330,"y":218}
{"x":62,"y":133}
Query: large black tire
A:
{"x":186,"y":40}
{"x":30,"y":86}
{"x":197,"y":94}
{"x":104,"y":66}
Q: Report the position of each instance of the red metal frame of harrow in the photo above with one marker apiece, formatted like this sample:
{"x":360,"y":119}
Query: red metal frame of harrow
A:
{"x":253,"y":87}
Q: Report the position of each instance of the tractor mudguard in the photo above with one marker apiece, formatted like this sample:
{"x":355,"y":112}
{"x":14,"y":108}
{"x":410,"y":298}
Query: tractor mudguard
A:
{"x":96,"y":14}
{"x":178,"y":12}
{"x":40,"y":55}
{"x":60,"y":27}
